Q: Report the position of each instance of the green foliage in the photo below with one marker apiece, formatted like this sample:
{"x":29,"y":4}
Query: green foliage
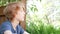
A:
{"x":4,"y":2}
{"x":33,"y":8}
{"x":42,"y":29}
{"x":37,"y":26}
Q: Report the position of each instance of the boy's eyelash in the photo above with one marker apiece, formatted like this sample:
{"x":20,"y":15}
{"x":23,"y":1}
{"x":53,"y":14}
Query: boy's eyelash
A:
{"x":23,"y":9}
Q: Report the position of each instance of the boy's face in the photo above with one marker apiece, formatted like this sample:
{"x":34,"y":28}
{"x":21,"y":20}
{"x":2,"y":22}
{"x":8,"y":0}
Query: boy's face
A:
{"x":20,"y":15}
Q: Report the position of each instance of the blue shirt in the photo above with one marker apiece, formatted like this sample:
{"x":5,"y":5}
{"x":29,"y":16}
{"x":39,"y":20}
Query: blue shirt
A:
{"x":8,"y":26}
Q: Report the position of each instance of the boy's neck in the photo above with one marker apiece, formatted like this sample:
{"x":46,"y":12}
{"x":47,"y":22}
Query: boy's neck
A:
{"x":14,"y":23}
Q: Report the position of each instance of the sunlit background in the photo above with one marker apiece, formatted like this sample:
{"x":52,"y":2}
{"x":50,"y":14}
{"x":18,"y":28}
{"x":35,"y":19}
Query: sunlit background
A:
{"x":48,"y":11}
{"x":43,"y":15}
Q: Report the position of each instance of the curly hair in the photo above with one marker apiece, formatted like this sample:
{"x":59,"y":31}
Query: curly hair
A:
{"x":12,"y":8}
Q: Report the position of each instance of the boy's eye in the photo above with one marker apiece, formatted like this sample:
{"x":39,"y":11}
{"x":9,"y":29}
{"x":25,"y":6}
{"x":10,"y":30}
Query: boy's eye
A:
{"x":23,"y":9}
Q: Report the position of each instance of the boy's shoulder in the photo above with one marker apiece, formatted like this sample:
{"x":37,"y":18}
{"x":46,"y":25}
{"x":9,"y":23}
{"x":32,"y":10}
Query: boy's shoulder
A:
{"x":5,"y":26}
{"x":5,"y":23}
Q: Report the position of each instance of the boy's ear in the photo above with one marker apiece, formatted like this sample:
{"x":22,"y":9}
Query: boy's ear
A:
{"x":17,"y":8}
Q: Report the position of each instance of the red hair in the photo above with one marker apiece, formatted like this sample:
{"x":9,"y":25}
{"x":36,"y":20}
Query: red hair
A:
{"x":11,"y":9}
